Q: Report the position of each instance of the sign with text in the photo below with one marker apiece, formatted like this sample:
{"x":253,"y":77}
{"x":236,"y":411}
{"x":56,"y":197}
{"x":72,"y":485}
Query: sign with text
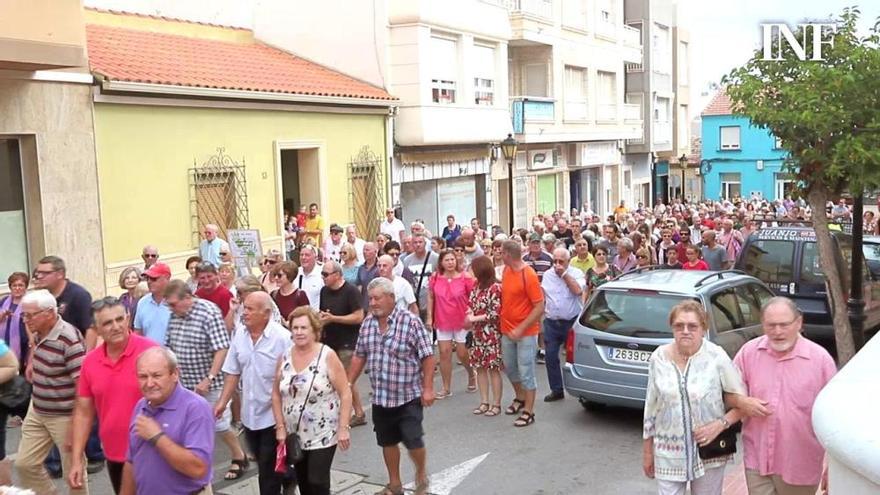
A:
{"x":775,"y":34}
{"x":245,"y":247}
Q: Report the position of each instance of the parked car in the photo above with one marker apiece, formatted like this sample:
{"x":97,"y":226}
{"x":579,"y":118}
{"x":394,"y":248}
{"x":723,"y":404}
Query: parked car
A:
{"x":626,"y":319}
{"x":786,"y":258}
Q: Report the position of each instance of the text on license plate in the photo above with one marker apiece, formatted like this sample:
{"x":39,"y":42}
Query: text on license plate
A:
{"x":629,"y":355}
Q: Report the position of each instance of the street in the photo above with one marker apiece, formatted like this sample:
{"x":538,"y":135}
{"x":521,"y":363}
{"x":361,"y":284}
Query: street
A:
{"x":566,"y":451}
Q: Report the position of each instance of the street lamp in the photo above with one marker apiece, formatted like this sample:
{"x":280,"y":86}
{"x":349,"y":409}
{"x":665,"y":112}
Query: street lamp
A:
{"x":508,"y":147}
{"x":683,"y":162}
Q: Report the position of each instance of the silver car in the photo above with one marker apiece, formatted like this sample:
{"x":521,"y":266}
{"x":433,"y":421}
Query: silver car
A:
{"x":626,"y":319}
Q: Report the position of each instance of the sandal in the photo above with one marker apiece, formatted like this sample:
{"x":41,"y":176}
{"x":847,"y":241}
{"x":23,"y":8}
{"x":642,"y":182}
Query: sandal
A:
{"x":483,"y":409}
{"x":513,"y":408}
{"x":472,"y":383}
{"x":389,"y":490}
{"x":524,"y":419}
{"x":421,"y":487}
{"x":236,"y":469}
{"x":442,"y":395}
{"x":493,"y":411}
{"x":357,"y":420}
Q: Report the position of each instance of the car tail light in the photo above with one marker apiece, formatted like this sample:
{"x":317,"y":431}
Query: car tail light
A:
{"x":569,"y":346}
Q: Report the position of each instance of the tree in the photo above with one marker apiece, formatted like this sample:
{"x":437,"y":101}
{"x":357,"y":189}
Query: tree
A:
{"x":827,"y":115}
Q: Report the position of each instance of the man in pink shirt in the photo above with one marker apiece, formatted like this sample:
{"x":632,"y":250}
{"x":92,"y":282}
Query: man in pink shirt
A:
{"x":108,"y":385}
{"x":783,"y":373}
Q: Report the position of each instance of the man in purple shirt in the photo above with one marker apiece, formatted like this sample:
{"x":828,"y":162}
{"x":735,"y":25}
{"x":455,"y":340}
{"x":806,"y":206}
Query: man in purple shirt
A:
{"x":171,"y":438}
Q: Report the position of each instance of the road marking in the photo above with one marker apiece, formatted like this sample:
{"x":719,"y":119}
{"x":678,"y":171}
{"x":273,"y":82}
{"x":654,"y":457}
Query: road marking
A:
{"x":445,"y":481}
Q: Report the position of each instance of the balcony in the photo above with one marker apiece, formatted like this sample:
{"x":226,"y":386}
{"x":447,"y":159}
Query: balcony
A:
{"x":632,"y":113}
{"x":535,"y":8}
{"x":526,"y":109}
{"x":606,"y":112}
{"x":484,"y":18}
{"x":634,"y":67}
{"x":662,"y":132}
{"x":632,"y":37}
{"x":606,"y":30}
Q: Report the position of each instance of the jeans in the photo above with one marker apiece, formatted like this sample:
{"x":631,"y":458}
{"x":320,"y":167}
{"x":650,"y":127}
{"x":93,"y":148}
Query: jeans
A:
{"x":555,"y":333}
{"x":94,"y":452}
{"x":4,"y":416}
{"x":519,"y":360}
{"x":262,"y":443}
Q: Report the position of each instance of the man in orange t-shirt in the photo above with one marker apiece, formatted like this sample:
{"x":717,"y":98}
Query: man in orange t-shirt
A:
{"x":522,"y":304}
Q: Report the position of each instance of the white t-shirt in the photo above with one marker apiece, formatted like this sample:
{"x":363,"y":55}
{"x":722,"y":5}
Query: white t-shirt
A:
{"x":312,"y":284}
{"x":403,"y":293}
{"x":393,"y":229}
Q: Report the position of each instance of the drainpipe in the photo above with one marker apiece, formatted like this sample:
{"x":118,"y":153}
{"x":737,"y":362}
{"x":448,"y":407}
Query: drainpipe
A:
{"x":389,"y":153}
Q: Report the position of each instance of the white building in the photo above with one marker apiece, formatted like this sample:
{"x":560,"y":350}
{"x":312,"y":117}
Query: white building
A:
{"x":567,"y":78}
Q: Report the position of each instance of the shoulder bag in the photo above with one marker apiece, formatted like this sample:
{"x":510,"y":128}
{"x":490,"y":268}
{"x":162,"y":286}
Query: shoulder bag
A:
{"x":723,"y":445}
{"x":295,"y":452}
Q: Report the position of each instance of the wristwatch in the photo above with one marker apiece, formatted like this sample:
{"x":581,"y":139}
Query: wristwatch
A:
{"x":211,"y":377}
{"x":724,"y":422}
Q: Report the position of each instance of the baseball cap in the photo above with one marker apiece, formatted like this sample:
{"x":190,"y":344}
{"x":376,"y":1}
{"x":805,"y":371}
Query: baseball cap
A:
{"x":336,"y":229}
{"x":534,"y":237}
{"x":158,"y":270}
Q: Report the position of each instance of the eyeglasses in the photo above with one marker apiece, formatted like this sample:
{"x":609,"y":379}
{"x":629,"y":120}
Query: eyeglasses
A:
{"x":559,"y":262}
{"x":223,"y":254}
{"x":771,"y":326}
{"x":327,"y":274}
{"x":459,"y":250}
{"x":105,"y":302}
{"x":686,"y":234}
{"x":394,"y":253}
{"x":278,"y":275}
{"x":28,"y":316}
{"x":150,"y":255}
{"x":42,"y":273}
{"x":681,"y":327}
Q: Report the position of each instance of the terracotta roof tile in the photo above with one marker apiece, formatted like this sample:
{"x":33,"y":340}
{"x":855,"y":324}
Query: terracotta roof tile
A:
{"x":720,"y":104}
{"x":129,"y":55}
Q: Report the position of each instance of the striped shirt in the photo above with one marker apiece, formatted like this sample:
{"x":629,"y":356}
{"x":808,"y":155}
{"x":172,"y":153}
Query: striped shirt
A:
{"x":194,"y":338}
{"x":394,"y":358}
{"x":56,"y":362}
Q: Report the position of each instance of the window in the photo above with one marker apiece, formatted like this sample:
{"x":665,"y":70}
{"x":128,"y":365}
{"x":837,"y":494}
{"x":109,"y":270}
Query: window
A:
{"x":574,"y":14}
{"x":661,"y":59}
{"x":607,"y":89}
{"x":444,"y":69}
{"x":630,"y":315}
{"x":683,"y":64}
{"x":731,"y":185}
{"x":811,"y":269}
{"x":730,"y":137}
{"x":13,"y":242}
{"x":770,"y":261}
{"x":606,"y":11}
{"x":683,"y":122}
{"x":535,"y":76}
{"x":725,"y":311}
{"x":749,"y":305}
{"x":575,"y":93}
{"x":484,"y":75}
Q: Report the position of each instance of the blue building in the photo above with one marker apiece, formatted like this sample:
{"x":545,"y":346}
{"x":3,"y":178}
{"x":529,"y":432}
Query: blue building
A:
{"x":739,"y":159}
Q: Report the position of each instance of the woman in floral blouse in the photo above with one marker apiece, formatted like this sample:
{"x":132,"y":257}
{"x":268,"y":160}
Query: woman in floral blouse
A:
{"x":601,"y":272}
{"x":684,"y":406}
{"x":485,"y":353}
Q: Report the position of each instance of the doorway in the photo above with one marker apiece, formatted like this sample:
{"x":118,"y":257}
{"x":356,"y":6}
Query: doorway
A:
{"x":300,"y":179}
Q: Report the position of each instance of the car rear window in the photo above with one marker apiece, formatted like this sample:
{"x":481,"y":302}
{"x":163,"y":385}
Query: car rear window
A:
{"x":811,"y":271}
{"x":630,"y":314}
{"x":770,"y":261}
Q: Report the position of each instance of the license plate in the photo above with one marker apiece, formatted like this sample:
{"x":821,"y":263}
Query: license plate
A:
{"x":629,"y":355}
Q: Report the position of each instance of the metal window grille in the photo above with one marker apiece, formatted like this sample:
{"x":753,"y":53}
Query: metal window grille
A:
{"x":366,"y":191}
{"x":218,"y":195}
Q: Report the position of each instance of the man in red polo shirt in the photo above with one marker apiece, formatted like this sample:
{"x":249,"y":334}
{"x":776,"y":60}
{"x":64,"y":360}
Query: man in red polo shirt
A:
{"x":212,"y":290}
{"x":108,"y":386}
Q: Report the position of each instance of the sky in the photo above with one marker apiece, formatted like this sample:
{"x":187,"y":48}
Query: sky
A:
{"x":725,"y":33}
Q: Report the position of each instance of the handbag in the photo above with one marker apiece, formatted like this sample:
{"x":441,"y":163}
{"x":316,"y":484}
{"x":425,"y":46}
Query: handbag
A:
{"x":723,"y":445}
{"x":15,"y":393}
{"x":292,"y":443}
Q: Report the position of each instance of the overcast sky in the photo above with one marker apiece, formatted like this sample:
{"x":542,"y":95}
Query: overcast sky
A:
{"x":725,"y":33}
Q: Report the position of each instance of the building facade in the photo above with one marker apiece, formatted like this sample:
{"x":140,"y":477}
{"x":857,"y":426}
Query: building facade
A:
{"x":199,"y":124}
{"x":569,"y":112}
{"x":739,"y":159}
{"x":48,"y":190}
{"x":659,"y":84}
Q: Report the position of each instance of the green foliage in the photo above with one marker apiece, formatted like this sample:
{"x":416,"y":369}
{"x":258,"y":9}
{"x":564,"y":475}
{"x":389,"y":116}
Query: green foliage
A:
{"x":826,"y":113}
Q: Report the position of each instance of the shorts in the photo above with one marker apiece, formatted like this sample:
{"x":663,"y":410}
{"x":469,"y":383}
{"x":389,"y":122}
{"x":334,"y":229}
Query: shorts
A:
{"x":225,"y":421}
{"x":459,"y":336}
{"x":403,"y":423}
{"x":345,"y":356}
{"x":519,"y":360}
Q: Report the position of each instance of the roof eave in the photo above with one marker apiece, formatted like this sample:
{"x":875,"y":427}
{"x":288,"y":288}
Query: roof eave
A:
{"x":238,"y":94}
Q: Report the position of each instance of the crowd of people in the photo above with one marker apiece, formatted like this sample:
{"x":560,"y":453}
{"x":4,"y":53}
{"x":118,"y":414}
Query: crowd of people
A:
{"x":147,"y":380}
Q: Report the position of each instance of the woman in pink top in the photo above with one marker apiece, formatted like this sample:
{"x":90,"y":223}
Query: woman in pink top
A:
{"x":448,"y":293}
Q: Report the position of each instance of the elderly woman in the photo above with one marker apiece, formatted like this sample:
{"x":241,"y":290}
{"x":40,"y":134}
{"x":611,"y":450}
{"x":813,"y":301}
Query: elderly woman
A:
{"x":643,"y":258}
{"x":191,"y":263}
{"x":272,"y":258}
{"x":625,"y":259}
{"x":601,"y":272}
{"x":684,"y":406}
{"x":129,"y":278}
{"x":312,"y":398}
{"x":381,"y":239}
{"x":12,"y":327}
{"x":226,"y":272}
{"x":448,"y":292}
{"x":287,"y":296}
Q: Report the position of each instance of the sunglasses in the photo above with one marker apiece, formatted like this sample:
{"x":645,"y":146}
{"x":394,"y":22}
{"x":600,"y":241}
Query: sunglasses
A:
{"x":270,"y":262}
{"x":394,"y":253}
{"x":327,"y":274}
{"x":459,"y":250}
{"x":104,"y":302}
{"x":223,"y":254}
{"x":278,"y":275}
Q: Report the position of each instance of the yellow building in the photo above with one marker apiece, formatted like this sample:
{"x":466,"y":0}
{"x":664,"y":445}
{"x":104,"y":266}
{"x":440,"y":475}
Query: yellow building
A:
{"x":198,"y":124}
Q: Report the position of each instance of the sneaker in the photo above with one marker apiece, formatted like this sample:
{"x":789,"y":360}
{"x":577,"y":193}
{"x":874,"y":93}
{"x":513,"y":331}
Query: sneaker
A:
{"x":554,"y":396}
{"x":94,"y":467}
{"x":540,"y":356}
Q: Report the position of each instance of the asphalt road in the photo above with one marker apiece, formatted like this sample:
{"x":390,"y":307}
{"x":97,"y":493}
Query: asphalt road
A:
{"x":566,"y":451}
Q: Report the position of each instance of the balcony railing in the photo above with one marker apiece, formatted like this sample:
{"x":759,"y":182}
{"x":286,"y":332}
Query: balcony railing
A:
{"x":662,"y":132}
{"x":634,"y":67}
{"x":531,"y":109}
{"x":632,"y":113}
{"x":539,"y":8}
{"x":606,"y":112}
{"x":638,"y":140}
{"x":632,"y":37}
{"x":606,"y":30}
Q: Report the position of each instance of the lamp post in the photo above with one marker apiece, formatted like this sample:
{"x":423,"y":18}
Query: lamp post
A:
{"x":508,"y":147}
{"x":683,"y":162}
